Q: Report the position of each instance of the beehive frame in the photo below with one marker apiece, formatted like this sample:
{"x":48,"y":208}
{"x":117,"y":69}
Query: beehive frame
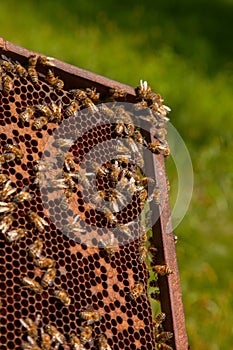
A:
{"x":17,"y":303}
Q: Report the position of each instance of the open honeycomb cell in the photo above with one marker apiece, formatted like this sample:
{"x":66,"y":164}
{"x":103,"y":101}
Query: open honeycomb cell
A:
{"x":71,"y":208}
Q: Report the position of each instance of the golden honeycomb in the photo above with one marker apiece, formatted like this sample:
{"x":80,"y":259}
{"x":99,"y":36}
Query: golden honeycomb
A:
{"x":93,"y":277}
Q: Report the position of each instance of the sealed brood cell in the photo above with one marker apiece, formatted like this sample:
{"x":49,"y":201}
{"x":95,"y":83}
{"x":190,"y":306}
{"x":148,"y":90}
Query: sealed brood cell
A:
{"x":65,"y":262}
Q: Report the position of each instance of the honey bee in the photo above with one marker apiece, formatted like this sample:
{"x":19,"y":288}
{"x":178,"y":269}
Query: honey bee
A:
{"x":68,"y":196}
{"x":44,"y":110}
{"x":153,"y":250}
{"x":141,"y":105}
{"x":92,"y":94}
{"x":115,"y":172}
{"x":48,"y":277}
{"x":120,"y":128}
{"x":55,"y":82}
{"x":31,"y":326}
{"x":139,"y":138}
{"x":159,"y":319}
{"x":162,"y":270}
{"x":31,"y":284}
{"x":14,"y":149}
{"x":39,"y":179}
{"x":72,"y":108}
{"x":129,"y":129}
{"x":86,"y":334}
{"x":83,"y":178}
{"x":46,"y":61}
{"x":103,"y":343}
{"x":22,"y":196}
{"x":38,"y":221}
{"x":114,"y":197}
{"x":132,"y":145}
{"x":6,"y":207}
{"x":44,"y":262}
{"x":32,"y":61}
{"x":108,"y":246}
{"x":163,"y":346}
{"x":62,"y":295}
{"x":158,"y":147}
{"x":98,"y":197}
{"x":150,"y":117}
{"x":32,"y":72}
{"x":27,"y":114}
{"x":75,"y":226}
{"x":56,"y":112}
{"x":15,"y":235}
{"x":43,"y":166}
{"x":6,"y":65}
{"x":124,"y":159}
{"x":7,"y":83}
{"x":143,"y":196}
{"x":155,"y":196}
{"x":39,"y":123}
{"x":20,"y":70}
{"x":30,"y":346}
{"x":125,"y":228}
{"x":104,"y":109}
{"x":45,"y":341}
{"x":87,"y":103}
{"x":64,"y":204}
{"x":121,"y":148}
{"x":123,"y":184}
{"x":122,"y":114}
{"x":75,"y":342}
{"x":63,"y":143}
{"x":69,"y":163}
{"x":50,"y":78}
{"x":155,"y":296}
{"x":7,"y":157}
{"x":90,"y":316}
{"x":117,"y":93}
{"x":57,"y":183}
{"x":101,"y":171}
{"x":160,"y":134}
{"x":143,"y":89}
{"x":78,"y":94}
{"x":68,"y":179}
{"x":6,"y":223}
{"x":59,"y":84}
{"x":142,"y":253}
{"x":136,"y":291}
{"x":3,"y":178}
{"x":109,"y":216}
{"x":163,"y":336}
{"x":57,"y":336}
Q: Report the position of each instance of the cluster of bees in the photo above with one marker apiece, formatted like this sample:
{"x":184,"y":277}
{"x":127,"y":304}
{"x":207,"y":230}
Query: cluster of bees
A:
{"x":121,"y":177}
{"x":51,"y":338}
{"x":8,"y":69}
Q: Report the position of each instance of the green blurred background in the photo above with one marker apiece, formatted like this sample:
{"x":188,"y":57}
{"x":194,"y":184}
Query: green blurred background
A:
{"x":184,"y":50}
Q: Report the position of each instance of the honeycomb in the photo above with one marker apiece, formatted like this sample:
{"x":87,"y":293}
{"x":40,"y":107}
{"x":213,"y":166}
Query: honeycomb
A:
{"x":57,"y":205}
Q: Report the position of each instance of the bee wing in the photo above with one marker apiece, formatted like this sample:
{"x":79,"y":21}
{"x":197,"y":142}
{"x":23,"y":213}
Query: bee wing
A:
{"x":43,"y":221}
{"x":102,"y":243}
{"x":3,"y":204}
{"x":5,"y":58}
{"x":112,"y":239}
{"x":115,"y":206}
{"x":23,"y":323}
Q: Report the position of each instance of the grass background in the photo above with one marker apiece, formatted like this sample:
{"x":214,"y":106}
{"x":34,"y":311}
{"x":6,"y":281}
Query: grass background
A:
{"x":184,"y":49}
